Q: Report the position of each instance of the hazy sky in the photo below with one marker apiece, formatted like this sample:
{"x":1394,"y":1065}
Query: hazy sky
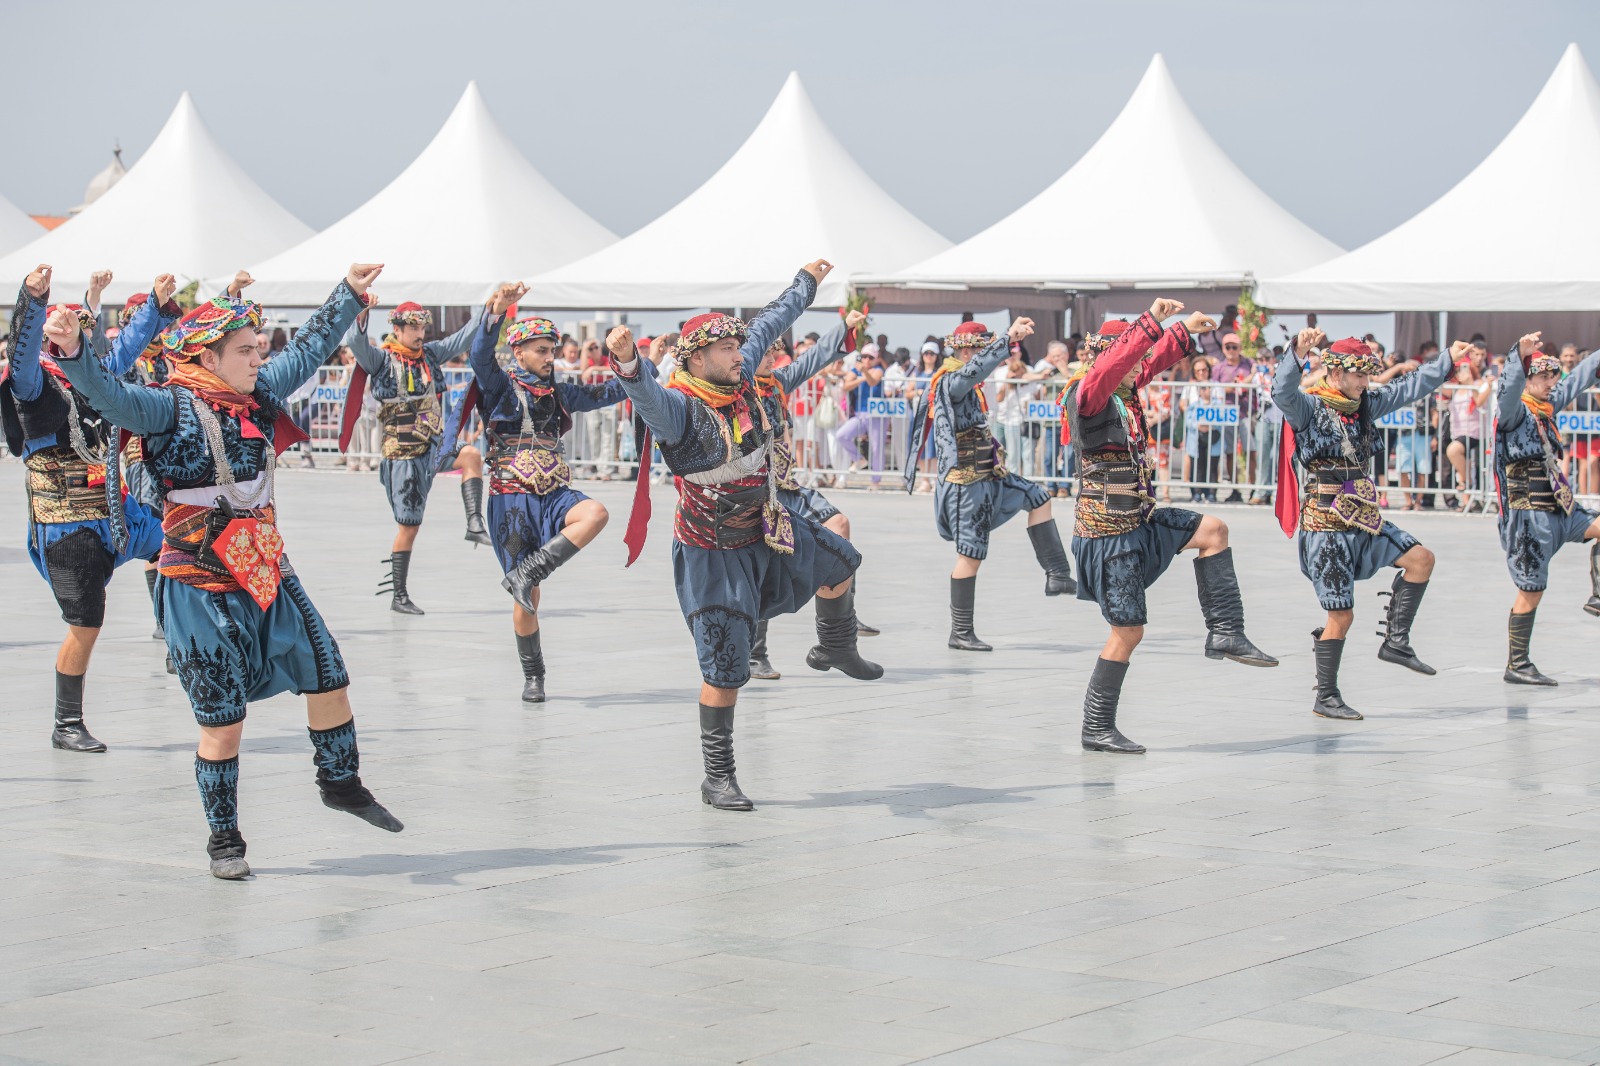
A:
{"x":1352,"y":114}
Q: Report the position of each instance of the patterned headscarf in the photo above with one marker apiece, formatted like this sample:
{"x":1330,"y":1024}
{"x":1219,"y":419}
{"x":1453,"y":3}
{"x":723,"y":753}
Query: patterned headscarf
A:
{"x":207,"y":324}
{"x":1544,"y":363}
{"x":702,"y":330}
{"x":1352,"y":353}
{"x":970,"y":335}
{"x":85,"y":317}
{"x":410,"y":314}
{"x":129,"y":309}
{"x":531,"y":329}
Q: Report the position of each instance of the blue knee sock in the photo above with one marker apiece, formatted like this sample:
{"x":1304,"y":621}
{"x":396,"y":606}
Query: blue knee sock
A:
{"x":219,"y":791}
{"x":334,"y":752}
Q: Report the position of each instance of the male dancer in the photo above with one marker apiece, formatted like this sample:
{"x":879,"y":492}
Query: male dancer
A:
{"x":1122,"y":541}
{"x":774,"y":386}
{"x":239,"y":624}
{"x":408,"y":383}
{"x":975,"y":493}
{"x":738,"y":555}
{"x":1344,"y":538}
{"x":537,"y":520}
{"x":80,"y":525}
{"x":1537,"y":511}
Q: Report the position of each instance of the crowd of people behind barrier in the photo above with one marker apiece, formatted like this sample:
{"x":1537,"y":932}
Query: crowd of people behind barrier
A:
{"x":1213,"y":427}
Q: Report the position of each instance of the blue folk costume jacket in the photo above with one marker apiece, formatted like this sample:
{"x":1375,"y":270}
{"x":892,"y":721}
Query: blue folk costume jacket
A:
{"x":1337,"y":449}
{"x":954,"y":403}
{"x":1528,"y":448}
{"x":776,"y":388}
{"x":74,"y":478}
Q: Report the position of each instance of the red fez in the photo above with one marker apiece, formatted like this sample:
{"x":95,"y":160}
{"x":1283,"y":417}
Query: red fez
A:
{"x":700,"y":320}
{"x":1351,"y":346}
{"x":407,"y":307}
{"x":1113,"y":327}
{"x":969,"y":327}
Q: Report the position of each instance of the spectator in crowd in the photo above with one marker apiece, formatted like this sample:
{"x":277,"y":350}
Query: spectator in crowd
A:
{"x":1011,"y":395}
{"x":599,"y":427}
{"x":1413,"y":445}
{"x":1232,"y":372}
{"x":1468,"y":397}
{"x":1269,"y":425}
{"x":1202,"y":444}
{"x":1053,"y":374}
{"x":567,"y":361}
{"x":863,"y":384}
{"x":917,"y":382}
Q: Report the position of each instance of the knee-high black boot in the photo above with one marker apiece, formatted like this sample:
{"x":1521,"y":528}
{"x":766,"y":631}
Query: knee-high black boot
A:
{"x":720,"y":789}
{"x":395,"y":584}
{"x":472,"y":499}
{"x":1593,"y":605}
{"x":1052,"y":558}
{"x":761,"y":667}
{"x":1223,"y":609}
{"x":1100,"y":731}
{"x":150,"y":575}
{"x":1330,"y":702}
{"x":1404,"y":599}
{"x":836,"y":640}
{"x":963,"y":596}
{"x":538,"y":565}
{"x":70,"y":734}
{"x":338,"y":762}
{"x":1519,"y":669}
{"x":532,"y":657}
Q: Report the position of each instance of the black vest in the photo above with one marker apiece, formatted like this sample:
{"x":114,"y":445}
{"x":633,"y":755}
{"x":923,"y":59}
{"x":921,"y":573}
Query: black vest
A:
{"x":46,"y":416}
{"x":1101,"y":431}
{"x":702,"y":446}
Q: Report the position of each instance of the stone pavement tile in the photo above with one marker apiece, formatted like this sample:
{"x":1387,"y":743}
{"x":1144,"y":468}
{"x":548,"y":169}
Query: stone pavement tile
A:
{"x":1188,"y":963}
{"x":895,"y":1038}
{"x":1264,"y":1034}
{"x":1009,"y":1051}
{"x":1358,"y":1047}
{"x":754,"y":995}
{"x":1186,"y":1050}
{"x":1421,"y":1027}
{"x":71,"y":1046}
{"x":652,"y":1035}
{"x":822,"y":1055}
{"x":1484,"y":1057}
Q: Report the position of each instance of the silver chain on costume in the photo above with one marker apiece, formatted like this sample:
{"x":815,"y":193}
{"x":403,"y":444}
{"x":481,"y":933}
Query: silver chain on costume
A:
{"x":80,"y":444}
{"x":219,"y":458}
{"x":527,"y":416}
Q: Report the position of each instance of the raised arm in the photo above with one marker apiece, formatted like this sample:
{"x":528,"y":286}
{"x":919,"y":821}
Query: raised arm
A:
{"x":1297,"y":407}
{"x":780,"y":314}
{"x":27,"y":334}
{"x":1176,"y":342}
{"x":368,"y":356}
{"x":151,"y":317}
{"x":492,"y":380}
{"x":664,"y":410}
{"x":316,"y":340}
{"x":592,"y":397}
{"x":1576,"y":383}
{"x":447,"y":348}
{"x":820,"y":355}
{"x":1389,"y":398}
{"x":1513,"y":379}
{"x":961,"y":382}
{"x":146,"y":412}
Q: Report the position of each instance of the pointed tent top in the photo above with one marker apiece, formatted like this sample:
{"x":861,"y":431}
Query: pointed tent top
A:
{"x":1513,"y":235}
{"x":184,"y":208}
{"x":790,"y":194}
{"x":469,"y":212}
{"x":1154,"y":198}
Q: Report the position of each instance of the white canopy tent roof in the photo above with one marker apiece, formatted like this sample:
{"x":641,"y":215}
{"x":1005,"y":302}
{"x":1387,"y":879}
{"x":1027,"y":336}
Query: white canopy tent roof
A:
{"x":16,"y":229}
{"x":469,"y":212}
{"x":184,"y":208}
{"x":1509,"y":237}
{"x":790,"y":194}
{"x":1153,"y":203}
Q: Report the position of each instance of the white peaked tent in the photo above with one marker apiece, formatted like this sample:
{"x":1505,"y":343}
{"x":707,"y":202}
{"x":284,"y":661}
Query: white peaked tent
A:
{"x":1519,"y":233}
{"x":790,"y":194}
{"x":1155,"y":201}
{"x":184,"y":208}
{"x":469,"y":212}
{"x":16,"y":228}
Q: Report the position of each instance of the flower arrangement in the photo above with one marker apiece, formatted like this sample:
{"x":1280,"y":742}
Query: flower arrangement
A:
{"x":856,"y":301}
{"x":1252,"y":324}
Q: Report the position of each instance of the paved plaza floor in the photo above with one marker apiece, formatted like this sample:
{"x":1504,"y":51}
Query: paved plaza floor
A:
{"x":935,"y":872}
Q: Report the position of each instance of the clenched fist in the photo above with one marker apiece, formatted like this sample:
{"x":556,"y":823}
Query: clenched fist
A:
{"x":361,"y":276}
{"x":163,"y":288}
{"x":619,"y":342}
{"x":240,"y":281}
{"x":1529,"y":344}
{"x":38,"y":282}
{"x":854,"y":318}
{"x":818,"y":269}
{"x":1200,"y":322}
{"x":1020,"y":328}
{"x":506,"y":296}
{"x":1162,"y":310}
{"x":62,"y":329}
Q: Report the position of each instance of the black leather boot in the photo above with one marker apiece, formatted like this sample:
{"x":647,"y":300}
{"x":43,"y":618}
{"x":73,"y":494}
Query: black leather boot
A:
{"x":1100,"y":731}
{"x":1329,"y":702}
{"x":1404,"y":599}
{"x":472,"y":499}
{"x":1593,"y":605}
{"x":720,"y":789}
{"x":351,"y":796}
{"x":1052,"y":558}
{"x":395,"y":584}
{"x":760,"y":666}
{"x":539,"y":564}
{"x":226,"y":849}
{"x":963,"y":594}
{"x":532,"y":657}
{"x":70,"y":733}
{"x":1519,"y":670}
{"x":150,"y":574}
{"x":836,"y":640}
{"x":1223,"y":609}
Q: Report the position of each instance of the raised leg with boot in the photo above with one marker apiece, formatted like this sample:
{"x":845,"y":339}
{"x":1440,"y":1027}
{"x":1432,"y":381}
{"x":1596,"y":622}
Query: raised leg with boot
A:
{"x":532,"y":657}
{"x":1052,"y":558}
{"x":761,"y":667}
{"x":338,"y":763}
{"x":1404,"y":599}
{"x":963,"y":596}
{"x":1100,"y":732}
{"x":1329,"y":702}
{"x":218,"y":780}
{"x":836,"y":640}
{"x":1519,"y":669}
{"x":1223,"y":609}
{"x":395,"y":584}
{"x":720,"y":789}
{"x":70,"y":734}
{"x":472,"y":499}
{"x":538,"y":565}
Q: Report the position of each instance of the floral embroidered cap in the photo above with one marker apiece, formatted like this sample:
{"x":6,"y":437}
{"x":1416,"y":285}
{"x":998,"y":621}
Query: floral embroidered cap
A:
{"x":410,"y":314}
{"x":1099,"y":342}
{"x":970,"y":335}
{"x":1351,"y":353}
{"x":207,"y":324}
{"x":703,"y":330}
{"x":1544,"y":363}
{"x":531,"y":329}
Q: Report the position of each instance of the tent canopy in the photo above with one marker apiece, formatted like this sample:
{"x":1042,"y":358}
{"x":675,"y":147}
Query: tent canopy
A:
{"x":469,"y":212}
{"x":1517,"y":234}
{"x":790,"y":194}
{"x":1153,"y":203}
{"x":184,"y":208}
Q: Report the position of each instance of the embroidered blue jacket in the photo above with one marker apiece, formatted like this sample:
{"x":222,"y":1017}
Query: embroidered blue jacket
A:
{"x":502,"y":412}
{"x":956,"y":406}
{"x":1517,"y":429}
{"x":380,"y":368}
{"x":1319,"y":432}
